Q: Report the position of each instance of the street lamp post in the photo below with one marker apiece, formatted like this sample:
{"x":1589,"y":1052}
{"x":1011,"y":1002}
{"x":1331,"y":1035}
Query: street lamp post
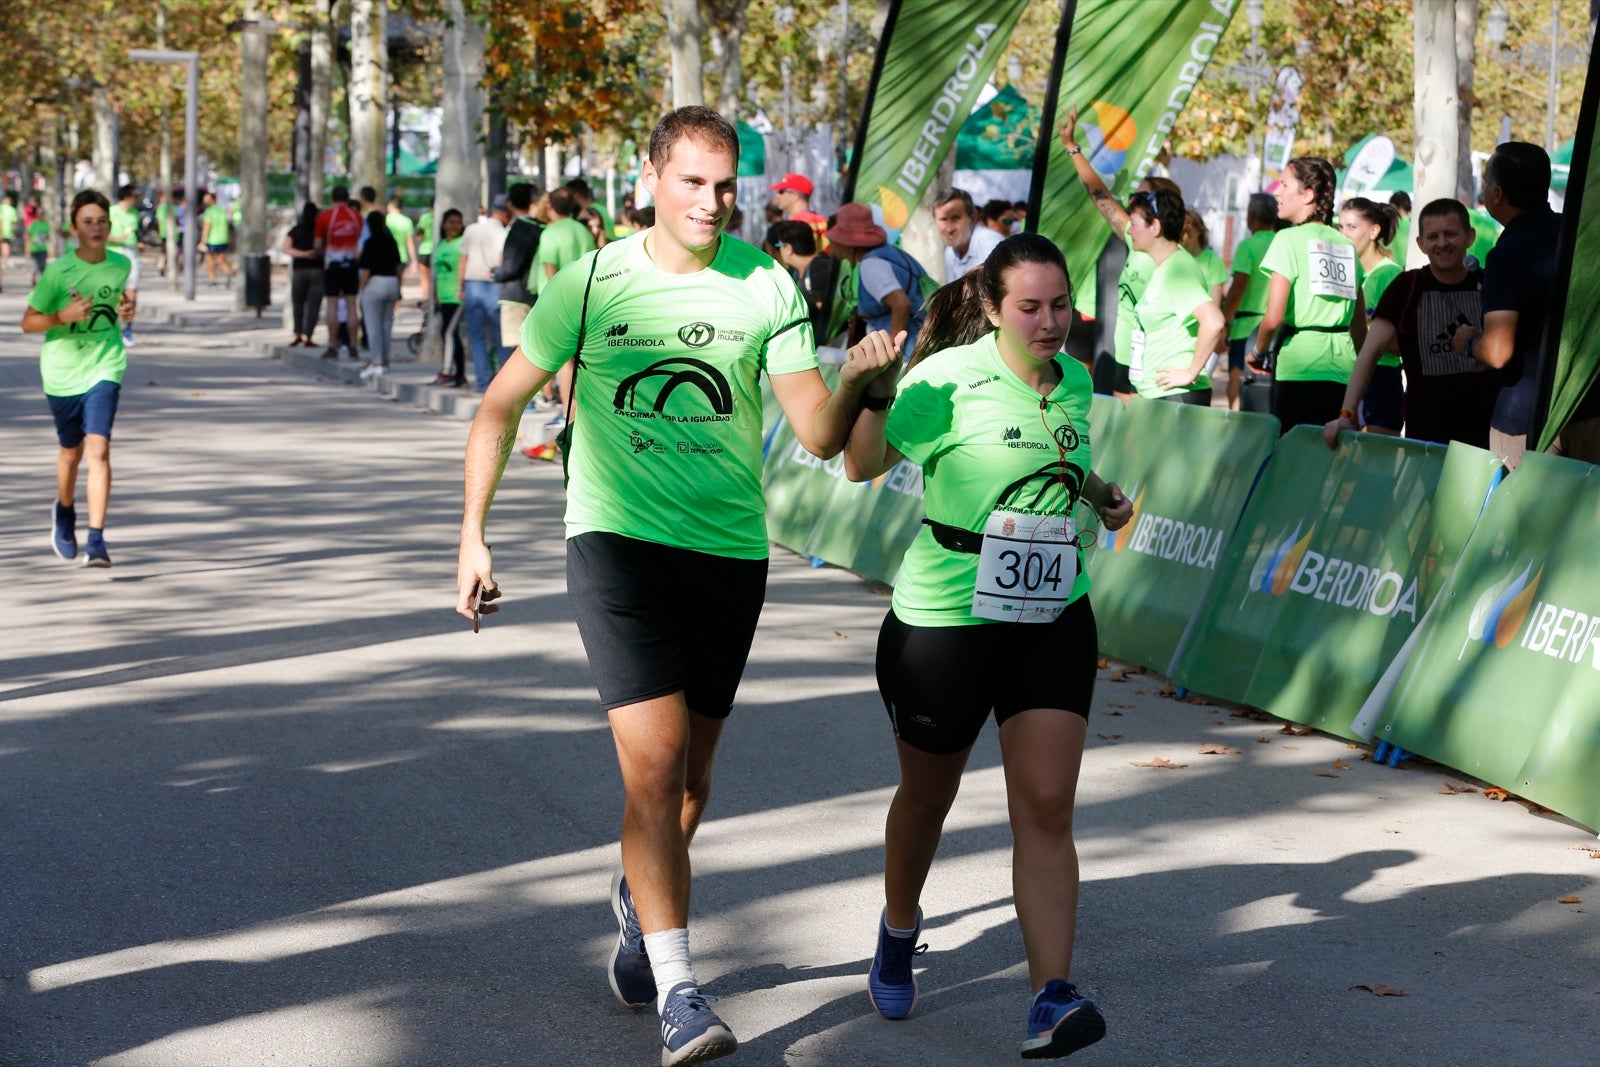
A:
{"x":1253,"y":72}
{"x":191,"y":151}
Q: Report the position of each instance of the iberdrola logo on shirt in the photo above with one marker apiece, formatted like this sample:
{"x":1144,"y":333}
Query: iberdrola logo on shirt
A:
{"x":701,"y":391}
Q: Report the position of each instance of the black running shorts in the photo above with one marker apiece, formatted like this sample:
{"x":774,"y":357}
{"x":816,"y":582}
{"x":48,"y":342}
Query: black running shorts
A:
{"x":657,"y":619}
{"x":939,"y":683}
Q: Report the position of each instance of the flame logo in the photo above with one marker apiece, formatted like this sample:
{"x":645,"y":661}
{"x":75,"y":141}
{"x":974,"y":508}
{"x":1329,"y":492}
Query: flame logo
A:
{"x":1117,"y":540}
{"x":1110,"y":133}
{"x":1502,"y":609}
{"x":1278,"y":573}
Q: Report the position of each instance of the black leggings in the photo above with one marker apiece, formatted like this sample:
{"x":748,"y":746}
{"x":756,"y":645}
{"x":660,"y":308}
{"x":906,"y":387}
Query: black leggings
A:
{"x":1306,"y":403}
{"x":450,"y":323}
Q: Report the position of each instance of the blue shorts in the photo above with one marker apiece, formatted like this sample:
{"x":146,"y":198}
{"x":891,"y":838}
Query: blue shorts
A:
{"x":218,"y":250}
{"x":86,"y":413}
{"x":1240,"y":347}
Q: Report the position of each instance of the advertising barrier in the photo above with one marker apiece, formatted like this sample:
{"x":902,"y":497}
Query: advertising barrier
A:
{"x":1188,"y":471}
{"x":1505,"y":680}
{"x":1332,"y":567}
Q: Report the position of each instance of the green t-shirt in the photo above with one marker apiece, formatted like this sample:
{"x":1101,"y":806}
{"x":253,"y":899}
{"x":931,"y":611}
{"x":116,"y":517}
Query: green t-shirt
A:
{"x":1371,"y":289}
{"x":667,"y":438}
{"x":38,"y":236}
{"x":1401,"y":246}
{"x":124,"y":227}
{"x":1253,"y":302}
{"x":8,"y":221}
{"x":217,"y":216}
{"x":605,"y":220}
{"x":401,"y":227}
{"x":78,"y":355}
{"x":164,"y":220}
{"x":845,"y":294}
{"x":984,"y":441}
{"x":446,"y":270}
{"x":1130,"y":287}
{"x":1165,"y":327}
{"x":1325,"y":289}
{"x":425,"y":234}
{"x":1212,"y":269}
{"x":563,"y":241}
{"x":1486,"y":232}
{"x":1086,"y":292}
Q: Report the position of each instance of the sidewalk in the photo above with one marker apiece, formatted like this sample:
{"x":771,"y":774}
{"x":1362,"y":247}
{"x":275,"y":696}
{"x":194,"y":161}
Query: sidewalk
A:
{"x":264,"y":799}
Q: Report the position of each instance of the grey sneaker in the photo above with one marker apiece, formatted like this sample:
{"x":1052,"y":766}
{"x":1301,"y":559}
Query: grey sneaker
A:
{"x":629,"y":973}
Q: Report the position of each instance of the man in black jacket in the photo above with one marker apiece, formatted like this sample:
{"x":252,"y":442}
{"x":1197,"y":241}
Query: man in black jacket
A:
{"x":522,"y":241}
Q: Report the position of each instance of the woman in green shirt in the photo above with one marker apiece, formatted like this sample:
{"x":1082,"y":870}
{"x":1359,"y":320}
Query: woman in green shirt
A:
{"x":1177,"y":323}
{"x":446,"y":277}
{"x":1314,"y":322}
{"x":1370,"y":226}
{"x":990,"y":613}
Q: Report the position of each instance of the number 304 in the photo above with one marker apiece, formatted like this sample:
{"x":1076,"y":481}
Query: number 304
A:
{"x":1030,"y":572}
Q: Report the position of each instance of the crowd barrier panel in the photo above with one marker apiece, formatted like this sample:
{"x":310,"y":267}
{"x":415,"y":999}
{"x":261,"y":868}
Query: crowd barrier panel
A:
{"x":1504,"y":683}
{"x":1188,"y":471}
{"x":1331,"y":568}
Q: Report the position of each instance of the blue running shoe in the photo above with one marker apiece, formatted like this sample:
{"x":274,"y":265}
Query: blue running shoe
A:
{"x":690,"y":1030}
{"x":94,"y":551}
{"x":630,"y":975}
{"x":890,"y":983}
{"x":1061,"y":1022}
{"x":64,"y":530}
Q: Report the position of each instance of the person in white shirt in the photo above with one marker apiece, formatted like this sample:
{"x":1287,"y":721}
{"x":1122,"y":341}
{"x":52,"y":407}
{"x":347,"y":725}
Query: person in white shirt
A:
{"x":481,"y":246}
{"x":966,"y":244}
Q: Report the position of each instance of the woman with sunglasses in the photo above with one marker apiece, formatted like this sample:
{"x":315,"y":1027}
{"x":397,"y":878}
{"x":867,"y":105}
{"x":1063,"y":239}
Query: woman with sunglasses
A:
{"x":1000,"y":427}
{"x":1314,"y":317}
{"x":1177,"y":323}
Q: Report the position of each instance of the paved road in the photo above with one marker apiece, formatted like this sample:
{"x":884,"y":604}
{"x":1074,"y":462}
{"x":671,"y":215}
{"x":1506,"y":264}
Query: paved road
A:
{"x":265,"y":800}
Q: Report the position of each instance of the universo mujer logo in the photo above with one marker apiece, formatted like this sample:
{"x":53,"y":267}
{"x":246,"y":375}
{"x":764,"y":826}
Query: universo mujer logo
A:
{"x":1291,"y":566}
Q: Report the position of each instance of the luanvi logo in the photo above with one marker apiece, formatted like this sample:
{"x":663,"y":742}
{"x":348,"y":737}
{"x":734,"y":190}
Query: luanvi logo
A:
{"x":645,"y":394}
{"x":619,"y":330}
{"x":1032,"y":492}
{"x":613,"y":274}
{"x":697,"y":334}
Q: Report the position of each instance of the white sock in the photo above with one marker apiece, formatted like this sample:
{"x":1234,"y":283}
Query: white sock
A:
{"x":669,"y":960}
{"x":893,"y":932}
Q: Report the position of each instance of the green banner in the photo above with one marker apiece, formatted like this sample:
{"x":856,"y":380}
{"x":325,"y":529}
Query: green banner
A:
{"x":1333,"y":564}
{"x":1000,"y":135}
{"x":1505,"y":680}
{"x":1188,"y":471}
{"x":868,"y":526}
{"x":933,"y":59}
{"x":1129,"y":69}
{"x":798,"y":487}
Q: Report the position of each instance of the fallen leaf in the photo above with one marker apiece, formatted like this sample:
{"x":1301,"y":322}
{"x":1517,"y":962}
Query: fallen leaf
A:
{"x":1340,"y":765}
{"x":1378,"y":989}
{"x":1103,"y":664}
{"x":1451,"y":789}
{"x":1388,"y":831}
{"x":1113,"y":713}
{"x":1140,"y":693}
{"x":1159,"y":761}
{"x":1537,"y":809}
{"x":1326,"y":774}
{"x":1291,"y":728}
{"x":1109,"y":737}
{"x":1114,"y":704}
{"x":1218,"y":722}
{"x":152,"y":381}
{"x":1570,"y":900}
{"x":1347,"y":745}
{"x":1495,"y":793}
{"x":197,"y":393}
{"x":836,"y":633}
{"x":1263,"y":740}
{"x":1167,"y":689}
{"x":1200,"y":702}
{"x":1240,"y":713}
{"x":1214,"y":749}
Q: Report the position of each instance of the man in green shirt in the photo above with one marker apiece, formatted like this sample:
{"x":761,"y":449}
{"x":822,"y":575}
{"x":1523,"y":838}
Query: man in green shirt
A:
{"x":404,"y":232}
{"x":1246,"y":298}
{"x":8,"y":230}
{"x":214,"y":230}
{"x":564,"y":240}
{"x":585,"y":199}
{"x":76,"y":305}
{"x":124,"y":241}
{"x":667,"y":543}
{"x":163,"y":229}
{"x":425,"y":251}
{"x":38,"y":237}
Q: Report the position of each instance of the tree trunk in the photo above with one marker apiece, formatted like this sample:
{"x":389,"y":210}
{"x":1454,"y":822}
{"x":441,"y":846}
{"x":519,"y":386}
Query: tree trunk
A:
{"x":369,"y":84}
{"x":169,"y":242}
{"x":321,"y":100}
{"x":1435,"y":106}
{"x":1466,"y":56}
{"x":458,"y":183}
{"x":54,"y":162}
{"x":730,"y":71}
{"x":105,"y":142}
{"x":252,"y":136}
{"x":686,"y":30}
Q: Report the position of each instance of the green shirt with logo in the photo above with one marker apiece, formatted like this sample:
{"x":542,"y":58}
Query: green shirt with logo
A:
{"x":1165,"y":328}
{"x":447,"y":270}
{"x":1253,"y":302}
{"x":986,"y":441}
{"x":38,"y":236}
{"x":667,"y":438}
{"x":401,"y":227}
{"x":78,"y":355}
{"x":217,"y":217}
{"x":124,"y":227}
{"x":1324,"y":296}
{"x":425,"y":234}
{"x":1372,"y":288}
{"x":1130,"y":288}
{"x":563,"y":241}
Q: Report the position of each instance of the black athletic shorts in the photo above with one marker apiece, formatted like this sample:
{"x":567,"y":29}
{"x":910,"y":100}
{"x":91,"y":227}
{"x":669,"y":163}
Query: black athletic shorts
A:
{"x":939,"y":683}
{"x":341,"y":278}
{"x":657,"y":619}
{"x":1306,"y":403}
{"x":1198,"y":397}
{"x":1384,"y":404}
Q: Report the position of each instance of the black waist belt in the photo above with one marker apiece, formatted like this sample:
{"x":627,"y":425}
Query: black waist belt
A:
{"x":955,"y":538}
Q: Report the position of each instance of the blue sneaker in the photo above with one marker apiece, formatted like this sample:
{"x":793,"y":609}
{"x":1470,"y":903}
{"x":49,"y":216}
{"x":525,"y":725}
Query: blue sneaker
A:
{"x":690,"y":1030}
{"x":1061,"y":1022}
{"x":890,"y":983}
{"x":629,"y":973}
{"x":94,"y":552}
{"x":64,"y":530}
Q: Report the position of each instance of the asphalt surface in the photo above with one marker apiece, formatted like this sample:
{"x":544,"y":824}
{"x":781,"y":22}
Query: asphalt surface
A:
{"x":265,"y":800}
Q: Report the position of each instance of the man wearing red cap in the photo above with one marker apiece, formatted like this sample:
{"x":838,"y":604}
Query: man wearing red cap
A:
{"x":794,"y":197}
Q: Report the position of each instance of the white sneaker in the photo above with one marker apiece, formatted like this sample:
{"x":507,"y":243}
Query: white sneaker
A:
{"x":374,"y":370}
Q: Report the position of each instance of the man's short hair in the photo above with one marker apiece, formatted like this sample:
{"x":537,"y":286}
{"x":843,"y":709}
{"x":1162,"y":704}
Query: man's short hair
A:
{"x":705,"y":126}
{"x":368,"y":195}
{"x":340,"y":194}
{"x":579,"y":188}
{"x":794,"y":233}
{"x":84,"y":199}
{"x":395,"y":199}
{"x":950,"y":196}
{"x":1400,"y":201}
{"x":521,"y":195}
{"x":127,"y":191}
{"x":996,"y":210}
{"x":1262,"y":210}
{"x":1521,"y":171}
{"x":562,"y":203}
{"x":1447,"y":205}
